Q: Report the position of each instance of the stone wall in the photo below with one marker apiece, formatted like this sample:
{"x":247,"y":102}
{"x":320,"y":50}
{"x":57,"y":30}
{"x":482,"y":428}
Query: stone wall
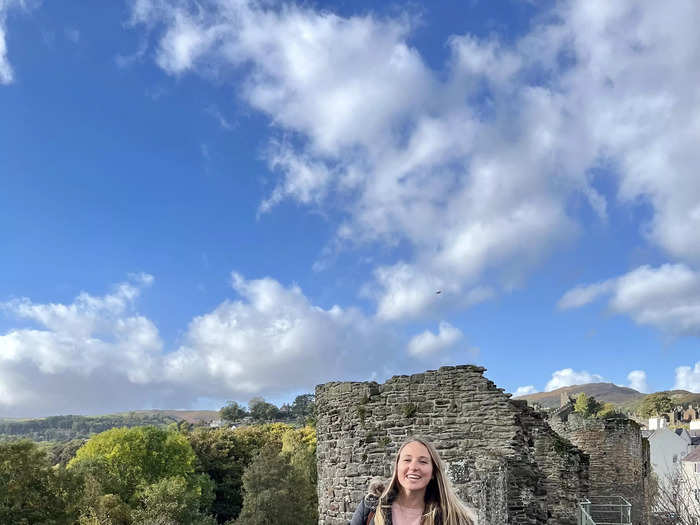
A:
{"x":502,"y":456}
{"x":619,"y":458}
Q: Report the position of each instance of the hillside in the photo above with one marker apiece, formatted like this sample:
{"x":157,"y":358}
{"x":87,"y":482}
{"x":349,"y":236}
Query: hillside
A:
{"x":191,"y":416}
{"x":680,"y":397}
{"x":66,"y":428}
{"x":604,"y":392}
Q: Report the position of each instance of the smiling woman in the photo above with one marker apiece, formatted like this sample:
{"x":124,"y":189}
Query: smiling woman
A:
{"x":419,"y":493}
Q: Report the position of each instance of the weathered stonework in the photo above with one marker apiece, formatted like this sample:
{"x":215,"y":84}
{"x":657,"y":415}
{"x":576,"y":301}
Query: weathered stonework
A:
{"x":619,"y":458}
{"x":502,"y":456}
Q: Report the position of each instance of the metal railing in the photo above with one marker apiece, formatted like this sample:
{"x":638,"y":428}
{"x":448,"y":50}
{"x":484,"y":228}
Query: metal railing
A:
{"x":605,"y":510}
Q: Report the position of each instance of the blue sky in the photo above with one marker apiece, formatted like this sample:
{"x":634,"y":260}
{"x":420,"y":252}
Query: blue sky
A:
{"x":229,"y":198}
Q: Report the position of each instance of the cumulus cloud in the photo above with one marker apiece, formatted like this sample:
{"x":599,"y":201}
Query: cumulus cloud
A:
{"x":525,"y":390}
{"x":473,"y":189}
{"x":688,"y":378}
{"x":638,"y":380}
{"x":273,"y":339}
{"x":666,"y":297}
{"x":99,"y":354}
{"x":427,"y":343}
{"x":78,"y":348}
{"x":569,"y":377}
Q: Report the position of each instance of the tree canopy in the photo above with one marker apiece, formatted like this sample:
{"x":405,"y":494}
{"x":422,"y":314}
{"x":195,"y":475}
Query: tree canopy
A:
{"x":126,"y":459}
{"x":656,"y":404}
{"x":31,"y":491}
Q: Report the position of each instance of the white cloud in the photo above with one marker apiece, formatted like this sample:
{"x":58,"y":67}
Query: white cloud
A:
{"x":638,"y":380}
{"x":373,"y":123}
{"x":569,"y":377}
{"x":427,"y":343}
{"x":584,"y":294}
{"x":667,"y":297}
{"x":525,"y":390}
{"x":77,"y":349}
{"x":478,"y":192}
{"x":688,"y":378}
{"x":275,"y":340}
{"x":6,"y":71}
{"x":97,"y":354}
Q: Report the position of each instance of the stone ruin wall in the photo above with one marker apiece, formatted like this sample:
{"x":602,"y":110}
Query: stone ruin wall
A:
{"x":619,"y":458}
{"x":502,"y":456}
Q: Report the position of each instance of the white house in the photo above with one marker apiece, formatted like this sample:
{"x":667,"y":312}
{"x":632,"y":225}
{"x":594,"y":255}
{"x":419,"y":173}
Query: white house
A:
{"x":656,"y":423}
{"x":667,"y":448}
{"x":690,"y":484}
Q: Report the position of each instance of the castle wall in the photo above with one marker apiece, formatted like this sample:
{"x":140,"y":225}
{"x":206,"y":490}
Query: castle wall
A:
{"x":619,"y":458}
{"x":502,"y":457}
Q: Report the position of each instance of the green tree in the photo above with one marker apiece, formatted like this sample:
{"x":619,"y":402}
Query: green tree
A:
{"x":174,"y":501}
{"x":656,"y":404}
{"x":124,"y":460}
{"x":304,"y":407}
{"x":232,"y":412}
{"x":607,"y":411}
{"x":261,"y":410}
{"x":586,"y":406}
{"x":275,"y":492}
{"x":62,"y":453}
{"x":31,"y":491}
{"x":223,"y":456}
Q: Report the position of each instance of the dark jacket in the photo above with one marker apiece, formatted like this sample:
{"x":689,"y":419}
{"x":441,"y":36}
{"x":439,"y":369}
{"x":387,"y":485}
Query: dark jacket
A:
{"x":369,"y":505}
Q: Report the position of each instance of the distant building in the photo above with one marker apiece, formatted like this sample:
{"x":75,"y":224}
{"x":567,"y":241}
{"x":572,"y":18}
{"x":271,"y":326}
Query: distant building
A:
{"x":690,"y":483}
{"x":656,"y":423}
{"x":667,"y":448}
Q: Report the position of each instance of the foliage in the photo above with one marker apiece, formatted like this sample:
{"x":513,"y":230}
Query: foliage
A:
{"x":608,"y":411}
{"x":31,"y":491}
{"x":124,"y":460}
{"x":409,"y":410}
{"x":174,"y":500}
{"x":224,"y":454}
{"x":98,"y":508}
{"x":587,"y":406}
{"x":656,"y":404}
{"x":304,"y":407}
{"x":232,"y":412}
{"x":261,"y":410}
{"x":61,"y":453}
{"x":276,"y":491}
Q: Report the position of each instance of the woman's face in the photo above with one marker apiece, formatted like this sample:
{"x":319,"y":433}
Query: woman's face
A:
{"x":415,"y":468}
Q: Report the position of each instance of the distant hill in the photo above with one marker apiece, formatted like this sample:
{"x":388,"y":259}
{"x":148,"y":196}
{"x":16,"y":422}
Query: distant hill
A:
{"x":604,"y":392}
{"x":66,"y":428}
{"x":680,"y":397}
{"x":191,"y":416}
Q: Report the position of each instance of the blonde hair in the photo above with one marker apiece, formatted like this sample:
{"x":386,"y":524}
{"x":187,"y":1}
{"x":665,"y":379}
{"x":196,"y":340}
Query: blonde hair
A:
{"x":442,"y":505}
